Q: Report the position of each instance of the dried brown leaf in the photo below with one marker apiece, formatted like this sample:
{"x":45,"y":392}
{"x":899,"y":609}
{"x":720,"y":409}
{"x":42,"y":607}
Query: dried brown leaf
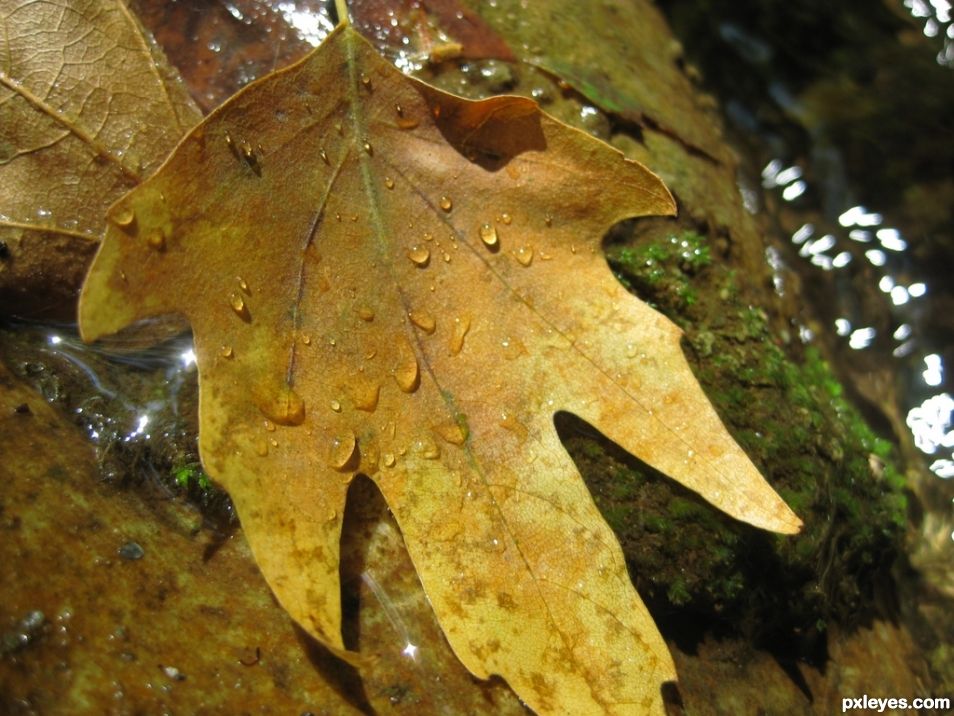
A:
{"x":88,"y":108}
{"x":386,"y":279}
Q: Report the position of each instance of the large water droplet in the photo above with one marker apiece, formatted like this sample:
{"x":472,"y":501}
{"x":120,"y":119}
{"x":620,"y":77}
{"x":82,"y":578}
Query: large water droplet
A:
{"x":389,"y":182}
{"x":238,"y":305}
{"x":243,"y":284}
{"x":407,"y":374}
{"x":227,"y":351}
{"x":124,"y":217}
{"x":423,"y":320}
{"x":446,"y":204}
{"x":324,"y":156}
{"x":342,"y":449}
{"x":285,"y":407}
{"x":524,"y":255}
{"x":419,"y":255}
{"x":367,"y":147}
{"x":365,"y":313}
{"x":506,"y":218}
{"x":366,"y":81}
{"x":156,"y":240}
{"x":403,"y":121}
{"x":335,"y":405}
{"x":488,"y":234}
{"x":389,"y":459}
{"x":451,"y":431}
{"x":458,"y":332}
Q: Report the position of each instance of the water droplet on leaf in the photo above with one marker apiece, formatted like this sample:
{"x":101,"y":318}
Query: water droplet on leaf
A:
{"x":124,"y":217}
{"x":407,"y":374}
{"x":156,"y":240}
{"x":446,"y":204}
{"x":451,"y":431}
{"x":238,"y":305}
{"x":488,"y":234}
{"x":458,"y":332}
{"x":341,"y":450}
{"x":524,"y":255}
{"x":285,"y":407}
{"x":423,"y":320}
{"x":420,"y":255}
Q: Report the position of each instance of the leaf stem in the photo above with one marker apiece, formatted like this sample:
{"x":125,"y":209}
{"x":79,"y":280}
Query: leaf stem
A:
{"x":341,"y":7}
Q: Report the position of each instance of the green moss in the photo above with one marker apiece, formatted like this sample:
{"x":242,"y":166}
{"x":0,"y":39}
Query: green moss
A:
{"x":191,"y":476}
{"x":657,"y":524}
{"x":678,"y":593}
{"x":665,"y":266}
